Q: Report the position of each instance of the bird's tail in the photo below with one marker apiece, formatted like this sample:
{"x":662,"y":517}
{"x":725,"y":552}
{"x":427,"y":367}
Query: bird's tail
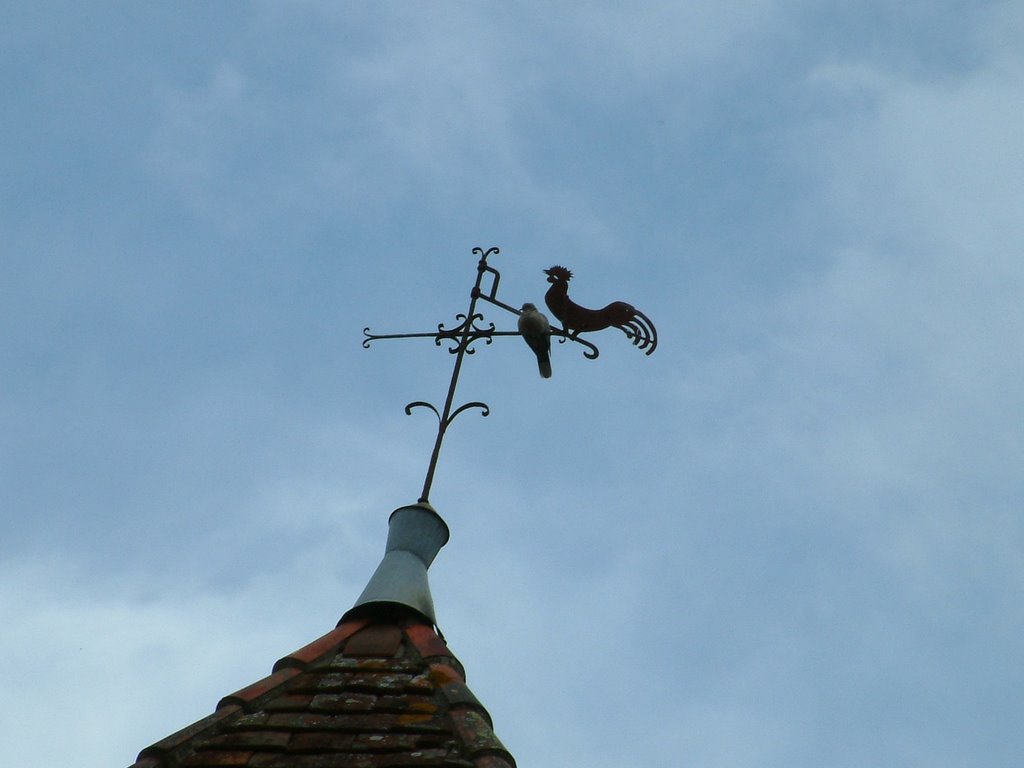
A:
{"x":544,"y":364}
{"x":642,"y":332}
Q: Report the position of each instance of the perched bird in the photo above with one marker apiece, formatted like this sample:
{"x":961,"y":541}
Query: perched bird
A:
{"x":576,"y":319}
{"x":536,"y":329}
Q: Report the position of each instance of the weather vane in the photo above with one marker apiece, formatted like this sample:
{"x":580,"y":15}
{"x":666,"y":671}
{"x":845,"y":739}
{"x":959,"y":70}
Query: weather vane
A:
{"x":532,"y":326}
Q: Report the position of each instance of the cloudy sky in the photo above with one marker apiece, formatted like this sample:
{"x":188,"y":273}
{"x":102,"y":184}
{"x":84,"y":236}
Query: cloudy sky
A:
{"x":791,"y":537}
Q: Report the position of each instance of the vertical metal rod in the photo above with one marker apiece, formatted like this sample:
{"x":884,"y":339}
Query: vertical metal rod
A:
{"x":463,"y":344}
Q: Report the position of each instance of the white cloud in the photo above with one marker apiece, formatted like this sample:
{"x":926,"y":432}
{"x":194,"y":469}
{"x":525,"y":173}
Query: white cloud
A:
{"x":114,"y":665}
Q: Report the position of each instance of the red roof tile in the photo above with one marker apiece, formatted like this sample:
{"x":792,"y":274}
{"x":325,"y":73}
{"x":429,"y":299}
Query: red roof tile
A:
{"x":384,"y":694}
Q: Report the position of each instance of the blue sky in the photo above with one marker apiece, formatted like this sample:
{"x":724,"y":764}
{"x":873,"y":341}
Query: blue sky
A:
{"x":791,"y":537}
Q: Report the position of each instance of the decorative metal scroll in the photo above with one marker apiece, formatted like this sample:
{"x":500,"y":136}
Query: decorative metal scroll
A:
{"x":462,"y":337}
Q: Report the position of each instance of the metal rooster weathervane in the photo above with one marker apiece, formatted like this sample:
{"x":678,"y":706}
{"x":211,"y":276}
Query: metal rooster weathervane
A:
{"x":533,"y":327}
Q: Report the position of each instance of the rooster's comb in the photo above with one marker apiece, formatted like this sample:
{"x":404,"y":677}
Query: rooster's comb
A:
{"x":559,"y":272}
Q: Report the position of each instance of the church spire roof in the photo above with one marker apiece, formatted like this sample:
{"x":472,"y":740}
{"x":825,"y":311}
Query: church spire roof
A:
{"x":381,"y":690}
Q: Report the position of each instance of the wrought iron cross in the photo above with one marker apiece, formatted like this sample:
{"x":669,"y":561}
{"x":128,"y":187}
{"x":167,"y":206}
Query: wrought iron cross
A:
{"x":463,"y":336}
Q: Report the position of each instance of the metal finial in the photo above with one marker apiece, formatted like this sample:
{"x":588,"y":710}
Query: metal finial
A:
{"x":416,"y":534}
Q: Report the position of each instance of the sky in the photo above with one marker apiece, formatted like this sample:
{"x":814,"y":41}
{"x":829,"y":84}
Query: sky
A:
{"x":792,"y":536}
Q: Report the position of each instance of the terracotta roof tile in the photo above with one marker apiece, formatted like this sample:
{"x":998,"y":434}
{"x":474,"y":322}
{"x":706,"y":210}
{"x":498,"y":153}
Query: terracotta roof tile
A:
{"x":427,"y":641}
{"x":187,"y":734}
{"x":375,"y":640}
{"x":493,"y":761}
{"x":219,"y":759}
{"x":257,"y":689}
{"x":301,"y":658}
{"x":366,"y":695}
